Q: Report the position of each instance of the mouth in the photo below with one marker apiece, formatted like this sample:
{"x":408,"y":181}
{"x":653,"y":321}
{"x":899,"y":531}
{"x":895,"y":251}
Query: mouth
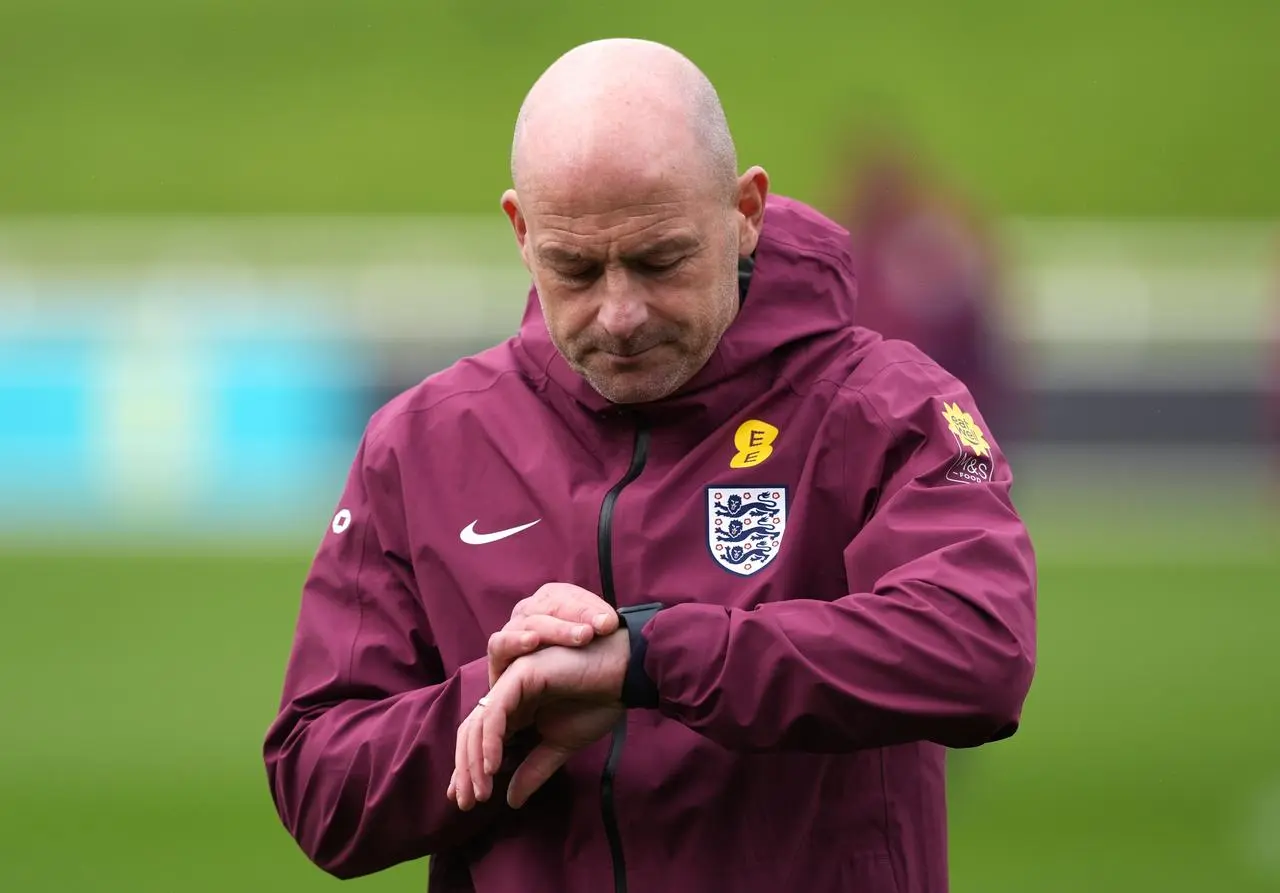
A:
{"x":630,"y":355}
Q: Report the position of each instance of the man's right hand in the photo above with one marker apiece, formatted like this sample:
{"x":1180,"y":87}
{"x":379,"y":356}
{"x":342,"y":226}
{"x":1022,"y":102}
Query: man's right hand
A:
{"x":571,"y":696}
{"x":557,"y":614}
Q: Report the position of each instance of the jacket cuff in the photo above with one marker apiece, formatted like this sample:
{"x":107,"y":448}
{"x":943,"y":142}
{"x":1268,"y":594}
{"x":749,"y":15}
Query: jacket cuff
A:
{"x":638,"y":690}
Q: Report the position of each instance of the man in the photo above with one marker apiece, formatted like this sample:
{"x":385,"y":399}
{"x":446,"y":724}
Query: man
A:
{"x":1271,"y":380}
{"x":685,"y":587}
{"x":928,"y":273}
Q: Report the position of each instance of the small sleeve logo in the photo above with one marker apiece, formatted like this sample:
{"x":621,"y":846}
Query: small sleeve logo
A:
{"x":975,"y":463}
{"x":965,"y":430}
{"x":341,"y":521}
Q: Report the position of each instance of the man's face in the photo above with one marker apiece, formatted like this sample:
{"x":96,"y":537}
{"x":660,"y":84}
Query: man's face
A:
{"x":637,"y":283}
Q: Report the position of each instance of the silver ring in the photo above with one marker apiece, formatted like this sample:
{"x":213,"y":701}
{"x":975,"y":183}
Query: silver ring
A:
{"x":483,"y":702}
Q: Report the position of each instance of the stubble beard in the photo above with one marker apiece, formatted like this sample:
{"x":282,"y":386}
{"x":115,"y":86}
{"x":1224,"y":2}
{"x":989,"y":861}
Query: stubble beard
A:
{"x":670,"y":372}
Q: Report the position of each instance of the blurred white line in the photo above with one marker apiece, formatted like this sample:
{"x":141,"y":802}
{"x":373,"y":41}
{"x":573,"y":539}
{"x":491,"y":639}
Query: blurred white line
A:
{"x":1095,"y":303}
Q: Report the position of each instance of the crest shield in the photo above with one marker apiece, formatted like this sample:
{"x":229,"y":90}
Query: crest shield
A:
{"x":745,"y":526}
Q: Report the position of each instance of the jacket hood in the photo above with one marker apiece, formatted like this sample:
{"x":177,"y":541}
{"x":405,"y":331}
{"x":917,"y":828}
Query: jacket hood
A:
{"x":801,"y":288}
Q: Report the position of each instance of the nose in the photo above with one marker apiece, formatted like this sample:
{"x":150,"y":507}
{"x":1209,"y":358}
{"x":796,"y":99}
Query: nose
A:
{"x":622,"y":311}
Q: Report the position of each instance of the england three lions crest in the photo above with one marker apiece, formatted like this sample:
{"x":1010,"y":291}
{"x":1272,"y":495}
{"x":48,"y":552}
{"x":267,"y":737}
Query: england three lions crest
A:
{"x":745,"y":526}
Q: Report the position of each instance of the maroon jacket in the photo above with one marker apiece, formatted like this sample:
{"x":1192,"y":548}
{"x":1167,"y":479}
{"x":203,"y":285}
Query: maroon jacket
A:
{"x":847,"y":590}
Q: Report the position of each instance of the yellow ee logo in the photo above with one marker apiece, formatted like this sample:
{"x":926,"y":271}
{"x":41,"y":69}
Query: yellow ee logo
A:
{"x":754,"y":441}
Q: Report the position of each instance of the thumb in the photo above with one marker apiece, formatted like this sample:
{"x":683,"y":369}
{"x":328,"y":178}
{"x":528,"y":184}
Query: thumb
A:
{"x":536,"y":769}
{"x":605,"y":622}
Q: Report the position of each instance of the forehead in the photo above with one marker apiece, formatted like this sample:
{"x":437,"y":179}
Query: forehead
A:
{"x":631,"y":226}
{"x":587,"y":219}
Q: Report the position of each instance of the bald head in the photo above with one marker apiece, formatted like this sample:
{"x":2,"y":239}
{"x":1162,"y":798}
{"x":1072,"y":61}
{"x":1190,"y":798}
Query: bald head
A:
{"x":620,"y":107}
{"x":630,"y":215}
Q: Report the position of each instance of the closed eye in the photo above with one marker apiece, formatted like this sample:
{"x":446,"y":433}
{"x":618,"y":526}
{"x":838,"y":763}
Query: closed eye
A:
{"x":578,"y":275}
{"x":658,"y":267}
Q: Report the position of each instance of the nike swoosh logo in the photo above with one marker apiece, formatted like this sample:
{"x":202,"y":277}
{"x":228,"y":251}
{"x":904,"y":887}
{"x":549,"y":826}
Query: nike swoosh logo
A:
{"x":472,"y":538}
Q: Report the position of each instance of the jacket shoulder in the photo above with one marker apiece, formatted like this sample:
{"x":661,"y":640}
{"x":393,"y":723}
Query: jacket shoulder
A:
{"x":459,"y":388}
{"x":891,"y":383}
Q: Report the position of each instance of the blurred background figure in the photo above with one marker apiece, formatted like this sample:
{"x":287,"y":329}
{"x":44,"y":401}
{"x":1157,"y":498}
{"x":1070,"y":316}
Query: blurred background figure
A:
{"x":1271,"y":406}
{"x":929,"y":271}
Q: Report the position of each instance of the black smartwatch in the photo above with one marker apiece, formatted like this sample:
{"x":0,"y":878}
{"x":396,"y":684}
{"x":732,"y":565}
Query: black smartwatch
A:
{"x":638,"y":689}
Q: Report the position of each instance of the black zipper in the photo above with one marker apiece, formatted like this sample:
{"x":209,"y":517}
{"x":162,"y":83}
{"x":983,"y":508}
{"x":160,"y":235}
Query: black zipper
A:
{"x":605,"y":549}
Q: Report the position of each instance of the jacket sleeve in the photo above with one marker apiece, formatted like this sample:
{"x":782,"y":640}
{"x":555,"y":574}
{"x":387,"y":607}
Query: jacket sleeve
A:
{"x":935,"y":640}
{"x":361,"y":753}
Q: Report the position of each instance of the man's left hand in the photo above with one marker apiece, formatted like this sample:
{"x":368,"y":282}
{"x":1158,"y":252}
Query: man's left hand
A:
{"x":557,"y":614}
{"x":571,"y":695}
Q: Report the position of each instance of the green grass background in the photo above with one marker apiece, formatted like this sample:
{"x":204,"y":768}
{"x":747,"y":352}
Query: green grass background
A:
{"x":1090,"y":108}
{"x":136,"y":688}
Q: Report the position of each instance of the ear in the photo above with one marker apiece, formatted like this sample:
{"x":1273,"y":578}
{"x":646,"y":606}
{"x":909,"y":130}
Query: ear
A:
{"x":753,"y":190}
{"x":511,"y":207}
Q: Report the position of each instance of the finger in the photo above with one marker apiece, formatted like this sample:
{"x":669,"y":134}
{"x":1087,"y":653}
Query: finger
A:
{"x":525,"y":634}
{"x":474,"y":756}
{"x":534,"y":771}
{"x":507,"y":645}
{"x":462,"y":778}
{"x":452,"y":785}
{"x":552,"y":630}
{"x":491,"y":746}
{"x":605,"y":622}
{"x":569,"y":602}
{"x":505,"y":700}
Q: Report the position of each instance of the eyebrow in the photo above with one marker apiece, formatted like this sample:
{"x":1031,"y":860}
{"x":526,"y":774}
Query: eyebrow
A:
{"x":678,"y":244}
{"x":563,"y":255}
